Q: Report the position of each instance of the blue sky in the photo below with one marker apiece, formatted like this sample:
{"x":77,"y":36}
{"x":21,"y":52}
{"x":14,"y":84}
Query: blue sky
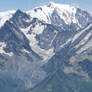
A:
{"x":29,"y":4}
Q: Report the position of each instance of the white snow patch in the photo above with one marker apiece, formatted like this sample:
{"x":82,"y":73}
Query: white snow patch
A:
{"x":69,"y":40}
{"x":38,"y":29}
{"x":2,"y":46}
{"x":53,"y":37}
{"x":26,"y":51}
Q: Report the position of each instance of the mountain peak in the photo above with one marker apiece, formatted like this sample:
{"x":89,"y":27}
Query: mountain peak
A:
{"x":64,"y":11}
{"x":61,"y":6}
{"x":20,"y":13}
{"x":51,"y":4}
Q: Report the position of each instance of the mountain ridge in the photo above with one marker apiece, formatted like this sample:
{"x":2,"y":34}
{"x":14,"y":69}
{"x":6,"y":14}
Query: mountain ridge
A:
{"x":51,"y":6}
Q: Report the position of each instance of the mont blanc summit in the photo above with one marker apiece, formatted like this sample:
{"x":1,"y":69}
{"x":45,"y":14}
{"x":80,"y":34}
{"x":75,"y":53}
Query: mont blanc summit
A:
{"x":46,"y":49}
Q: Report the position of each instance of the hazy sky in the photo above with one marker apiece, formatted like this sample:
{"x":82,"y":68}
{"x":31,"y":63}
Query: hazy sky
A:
{"x":29,"y":4}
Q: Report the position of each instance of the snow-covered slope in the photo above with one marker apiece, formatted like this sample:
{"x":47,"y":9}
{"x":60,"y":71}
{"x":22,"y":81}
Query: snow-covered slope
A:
{"x":4,"y":16}
{"x":66,"y":12}
{"x":53,"y":12}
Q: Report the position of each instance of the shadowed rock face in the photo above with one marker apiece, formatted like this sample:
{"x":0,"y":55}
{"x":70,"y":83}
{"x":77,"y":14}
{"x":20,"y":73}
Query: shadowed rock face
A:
{"x":39,"y":57}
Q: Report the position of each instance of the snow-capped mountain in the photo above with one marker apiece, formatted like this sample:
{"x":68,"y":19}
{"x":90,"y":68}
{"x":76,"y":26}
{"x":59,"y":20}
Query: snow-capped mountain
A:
{"x":45,"y":12}
{"x":53,"y":13}
{"x":60,"y":14}
{"x":36,"y":45}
